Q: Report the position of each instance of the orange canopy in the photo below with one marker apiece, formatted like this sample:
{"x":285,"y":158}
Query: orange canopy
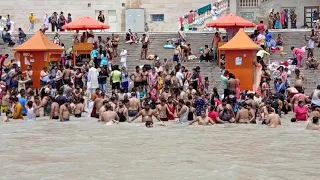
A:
{"x":230,"y":20}
{"x":38,"y":42}
{"x":85,"y":23}
{"x":241,"y":41}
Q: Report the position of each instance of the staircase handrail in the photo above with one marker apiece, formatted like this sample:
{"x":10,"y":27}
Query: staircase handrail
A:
{"x":221,"y":5}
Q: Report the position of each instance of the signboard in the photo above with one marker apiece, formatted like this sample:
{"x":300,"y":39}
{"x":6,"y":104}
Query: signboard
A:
{"x":238,"y":61}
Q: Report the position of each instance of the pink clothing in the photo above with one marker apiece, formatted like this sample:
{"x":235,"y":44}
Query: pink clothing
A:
{"x":260,"y":28}
{"x":238,"y":89}
{"x":153,"y":79}
{"x":298,"y":51}
{"x":282,"y":18}
{"x":301,"y":113}
{"x":190,"y":18}
{"x":299,"y":55}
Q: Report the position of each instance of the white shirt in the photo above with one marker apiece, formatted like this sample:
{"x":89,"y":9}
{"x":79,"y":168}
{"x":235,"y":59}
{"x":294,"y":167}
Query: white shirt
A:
{"x":180,"y":77}
{"x":261,"y":37}
{"x":261,"y":53}
{"x":158,"y":69}
{"x":123,"y":55}
{"x":93,"y":78}
{"x":311,"y":44}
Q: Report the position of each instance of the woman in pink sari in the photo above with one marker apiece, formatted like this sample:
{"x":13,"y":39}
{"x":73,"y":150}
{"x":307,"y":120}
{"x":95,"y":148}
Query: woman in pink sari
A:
{"x":238,"y":89}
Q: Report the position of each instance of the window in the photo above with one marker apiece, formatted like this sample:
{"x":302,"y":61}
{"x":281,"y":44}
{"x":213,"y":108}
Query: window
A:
{"x":157,"y":17}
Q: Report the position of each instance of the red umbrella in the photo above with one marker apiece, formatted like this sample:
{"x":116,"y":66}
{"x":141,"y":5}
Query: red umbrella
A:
{"x":85,"y":23}
{"x":230,"y":20}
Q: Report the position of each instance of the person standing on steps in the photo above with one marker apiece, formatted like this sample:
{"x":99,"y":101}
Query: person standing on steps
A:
{"x":101,"y":18}
{"x":144,"y":49}
{"x":53,"y":21}
{"x":32,"y":21}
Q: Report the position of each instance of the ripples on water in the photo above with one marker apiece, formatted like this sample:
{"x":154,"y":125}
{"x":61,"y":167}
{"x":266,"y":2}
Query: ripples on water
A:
{"x":85,"y":149}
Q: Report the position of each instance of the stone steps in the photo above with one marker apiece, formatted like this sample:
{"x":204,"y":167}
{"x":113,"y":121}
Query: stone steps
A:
{"x":197,"y":40}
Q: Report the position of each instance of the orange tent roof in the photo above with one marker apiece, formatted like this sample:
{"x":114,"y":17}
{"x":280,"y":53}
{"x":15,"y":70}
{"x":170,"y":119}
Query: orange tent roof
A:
{"x":38,"y":42}
{"x":241,"y":41}
{"x":85,"y":23}
{"x":229,"y":21}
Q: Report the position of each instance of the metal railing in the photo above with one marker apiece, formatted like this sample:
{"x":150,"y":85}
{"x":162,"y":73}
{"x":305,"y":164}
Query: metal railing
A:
{"x":221,"y":5}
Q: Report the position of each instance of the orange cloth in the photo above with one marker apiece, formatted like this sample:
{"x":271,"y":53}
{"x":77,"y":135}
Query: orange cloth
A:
{"x":17,"y":111}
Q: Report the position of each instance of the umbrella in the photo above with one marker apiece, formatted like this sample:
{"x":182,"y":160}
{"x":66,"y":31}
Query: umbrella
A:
{"x":230,"y":20}
{"x":85,"y":23}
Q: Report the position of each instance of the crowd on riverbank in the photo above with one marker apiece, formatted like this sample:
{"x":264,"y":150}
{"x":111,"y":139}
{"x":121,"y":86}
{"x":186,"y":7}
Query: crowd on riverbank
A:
{"x":160,"y":91}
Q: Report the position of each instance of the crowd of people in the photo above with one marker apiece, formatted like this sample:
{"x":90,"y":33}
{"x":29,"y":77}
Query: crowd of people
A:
{"x":160,"y":91}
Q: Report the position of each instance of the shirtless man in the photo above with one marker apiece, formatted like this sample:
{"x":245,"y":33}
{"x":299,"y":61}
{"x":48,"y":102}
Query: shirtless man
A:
{"x":136,"y":77}
{"x":273,"y":119}
{"x":224,"y":105}
{"x":162,"y":109}
{"x":298,"y":97}
{"x":65,"y":111}
{"x":146,"y":114}
{"x":314,"y":125}
{"x":79,"y":108}
{"x":54,"y":109}
{"x":314,"y":112}
{"x":203,"y":120}
{"x":98,"y":103}
{"x":291,"y":91}
{"x":5,"y":102}
{"x":299,"y":79}
{"x":165,"y":93}
{"x":66,"y":74}
{"x":243,"y":114}
{"x":109,"y":116}
{"x":103,"y":108}
{"x":145,"y":74}
{"x":232,"y":84}
{"x":134,"y":105}
{"x":113,"y":103}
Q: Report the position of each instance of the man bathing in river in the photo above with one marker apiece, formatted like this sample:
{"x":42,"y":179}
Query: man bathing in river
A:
{"x":203,"y":120}
{"x":314,"y":125}
{"x":147,"y":114}
{"x":109,"y":116}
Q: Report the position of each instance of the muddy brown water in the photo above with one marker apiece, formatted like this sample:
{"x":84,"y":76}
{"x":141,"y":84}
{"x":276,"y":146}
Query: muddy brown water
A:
{"x":85,"y":149}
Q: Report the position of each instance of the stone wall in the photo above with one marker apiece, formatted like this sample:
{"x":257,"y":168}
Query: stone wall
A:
{"x":20,"y":10}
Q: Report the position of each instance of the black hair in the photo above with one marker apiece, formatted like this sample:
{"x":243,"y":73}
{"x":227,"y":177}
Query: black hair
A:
{"x":315,"y":120}
{"x":293,"y":120}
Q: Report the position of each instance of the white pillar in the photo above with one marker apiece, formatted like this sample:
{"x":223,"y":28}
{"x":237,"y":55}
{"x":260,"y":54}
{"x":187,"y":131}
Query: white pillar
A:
{"x":233,"y":6}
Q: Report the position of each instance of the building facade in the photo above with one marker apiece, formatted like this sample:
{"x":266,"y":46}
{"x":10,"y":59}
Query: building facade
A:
{"x":160,"y":15}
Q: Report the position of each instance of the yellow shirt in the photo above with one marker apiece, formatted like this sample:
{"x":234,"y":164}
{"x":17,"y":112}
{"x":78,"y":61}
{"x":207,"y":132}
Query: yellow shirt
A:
{"x":17,"y":111}
{"x":31,"y":19}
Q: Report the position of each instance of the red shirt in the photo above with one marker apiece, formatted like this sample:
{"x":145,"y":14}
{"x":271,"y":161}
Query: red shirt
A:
{"x":260,"y":28}
{"x":2,"y":59}
{"x":213,"y":115}
{"x":301,"y":113}
{"x":190,"y":18}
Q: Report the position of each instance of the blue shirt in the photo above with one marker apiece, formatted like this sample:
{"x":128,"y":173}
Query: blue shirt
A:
{"x":280,"y":88}
{"x":200,"y":105}
{"x":94,"y":53}
{"x":23,"y":102}
{"x":104,"y":60}
{"x":268,"y":36}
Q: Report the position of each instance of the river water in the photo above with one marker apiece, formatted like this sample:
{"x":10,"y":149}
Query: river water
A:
{"x":85,"y":149}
